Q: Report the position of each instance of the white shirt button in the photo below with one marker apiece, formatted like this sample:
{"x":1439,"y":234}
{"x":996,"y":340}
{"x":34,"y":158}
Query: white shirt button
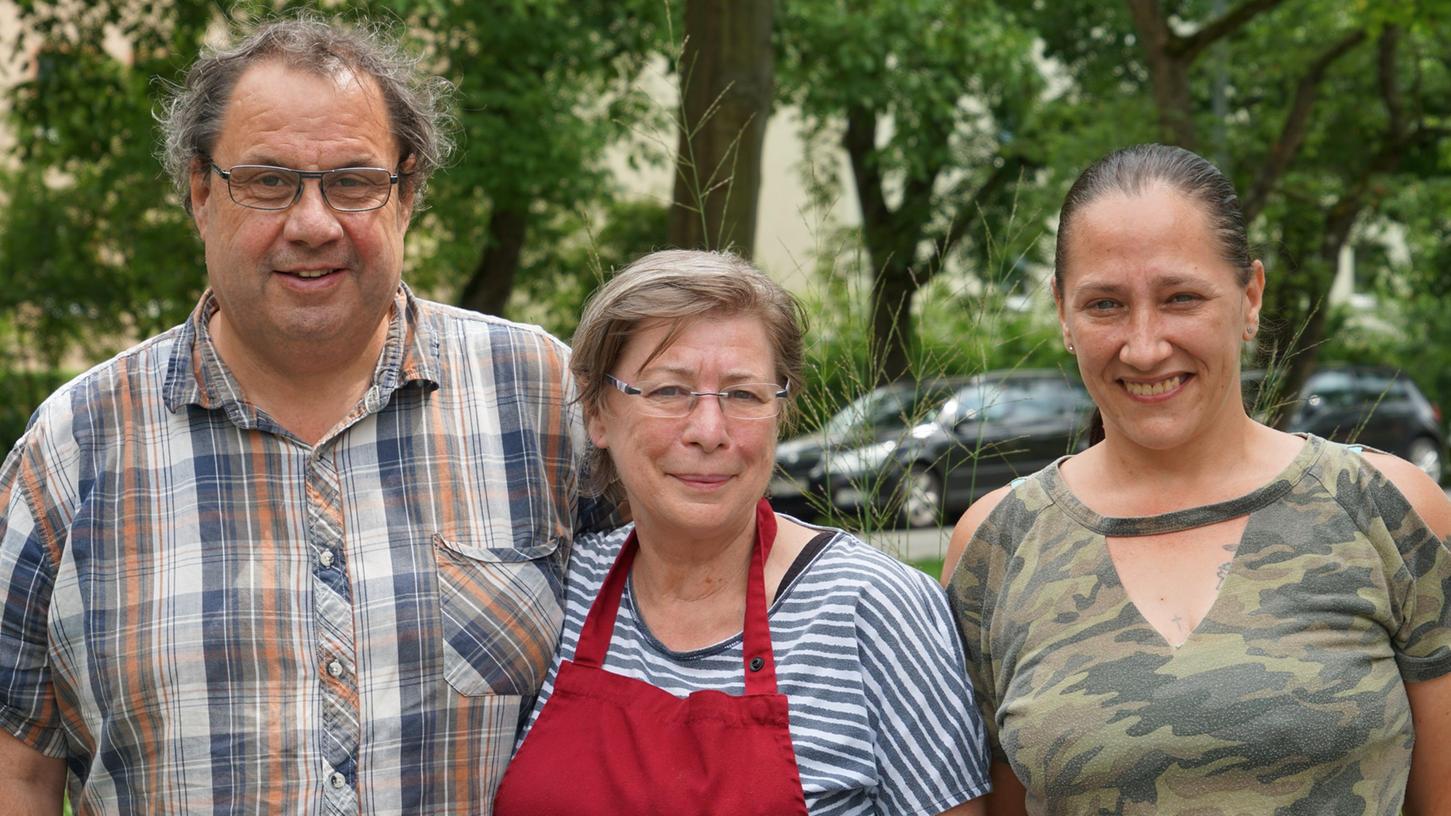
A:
{"x":337,"y":780}
{"x":335,"y":668}
{"x":326,"y":558}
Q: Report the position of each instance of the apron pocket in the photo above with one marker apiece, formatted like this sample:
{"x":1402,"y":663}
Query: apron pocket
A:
{"x":501,"y":614}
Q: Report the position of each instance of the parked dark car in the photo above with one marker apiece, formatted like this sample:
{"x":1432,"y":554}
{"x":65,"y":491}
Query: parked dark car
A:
{"x":915,"y":450}
{"x":1369,"y":405}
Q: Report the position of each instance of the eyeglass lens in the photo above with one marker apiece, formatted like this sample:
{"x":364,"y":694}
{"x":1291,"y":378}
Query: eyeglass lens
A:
{"x":275,"y":188}
{"x":745,"y":401}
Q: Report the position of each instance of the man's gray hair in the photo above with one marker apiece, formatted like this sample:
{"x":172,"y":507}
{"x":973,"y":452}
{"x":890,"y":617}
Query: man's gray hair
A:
{"x":419,"y":104}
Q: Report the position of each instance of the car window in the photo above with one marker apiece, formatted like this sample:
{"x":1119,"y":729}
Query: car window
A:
{"x":888,"y":408}
{"x":1058,"y":396}
{"x":1014,"y":403}
{"x":1330,"y":389}
{"x":1379,"y":387}
{"x":995,"y":402}
{"x":972,"y":402}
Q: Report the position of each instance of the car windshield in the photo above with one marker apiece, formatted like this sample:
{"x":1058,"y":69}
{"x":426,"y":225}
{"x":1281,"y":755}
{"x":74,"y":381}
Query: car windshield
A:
{"x":977,"y":402}
{"x":889,"y":408}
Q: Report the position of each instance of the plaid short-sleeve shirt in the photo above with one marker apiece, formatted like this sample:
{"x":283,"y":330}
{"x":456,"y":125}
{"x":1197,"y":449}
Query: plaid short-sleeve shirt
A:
{"x":203,"y":613}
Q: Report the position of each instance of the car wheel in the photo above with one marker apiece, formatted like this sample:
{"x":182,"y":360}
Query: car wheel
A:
{"x":921,"y":498}
{"x":1425,"y":454}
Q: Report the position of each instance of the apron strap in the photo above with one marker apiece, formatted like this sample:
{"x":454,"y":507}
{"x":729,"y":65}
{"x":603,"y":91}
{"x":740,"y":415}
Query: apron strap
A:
{"x":599,"y":624}
{"x":758,"y":660}
{"x":757,"y":657}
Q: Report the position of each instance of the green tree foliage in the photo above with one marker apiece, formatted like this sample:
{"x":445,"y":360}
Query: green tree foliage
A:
{"x":95,"y":243}
{"x":1376,"y":141}
{"x":545,"y":86}
{"x":934,"y":103}
{"x":574,"y":253}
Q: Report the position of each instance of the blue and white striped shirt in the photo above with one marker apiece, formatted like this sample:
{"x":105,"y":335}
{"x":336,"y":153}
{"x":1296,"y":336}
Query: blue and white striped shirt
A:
{"x":882,"y":715}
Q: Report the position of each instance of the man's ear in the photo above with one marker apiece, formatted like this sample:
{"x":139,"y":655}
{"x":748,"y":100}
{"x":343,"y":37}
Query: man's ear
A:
{"x":407,"y":189}
{"x":200,"y":193}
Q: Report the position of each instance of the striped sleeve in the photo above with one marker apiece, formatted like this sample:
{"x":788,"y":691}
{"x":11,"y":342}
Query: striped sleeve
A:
{"x":930,"y":744}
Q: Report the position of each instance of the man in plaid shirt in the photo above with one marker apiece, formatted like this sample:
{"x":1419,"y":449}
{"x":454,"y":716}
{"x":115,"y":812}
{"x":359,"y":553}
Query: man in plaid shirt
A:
{"x":302,"y":553}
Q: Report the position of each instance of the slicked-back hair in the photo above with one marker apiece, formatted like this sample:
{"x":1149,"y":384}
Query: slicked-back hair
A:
{"x":674,"y":287}
{"x":1132,"y":171}
{"x":418,"y":104}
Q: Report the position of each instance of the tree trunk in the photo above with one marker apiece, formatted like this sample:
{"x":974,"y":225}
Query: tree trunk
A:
{"x":1286,"y":146}
{"x":890,"y":240}
{"x":488,"y":289}
{"x":1168,"y":73}
{"x":727,"y":75}
{"x":893,"y":288}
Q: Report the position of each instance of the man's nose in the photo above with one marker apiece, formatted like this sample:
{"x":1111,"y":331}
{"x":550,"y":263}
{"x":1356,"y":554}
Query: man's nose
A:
{"x":311,"y":220}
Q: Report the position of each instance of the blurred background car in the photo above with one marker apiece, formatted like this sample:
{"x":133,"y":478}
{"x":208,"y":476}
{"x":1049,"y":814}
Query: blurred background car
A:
{"x":1369,"y":405}
{"x":908,"y":452}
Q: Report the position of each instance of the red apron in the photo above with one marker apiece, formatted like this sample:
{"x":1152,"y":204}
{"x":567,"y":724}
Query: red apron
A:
{"x":608,"y":744}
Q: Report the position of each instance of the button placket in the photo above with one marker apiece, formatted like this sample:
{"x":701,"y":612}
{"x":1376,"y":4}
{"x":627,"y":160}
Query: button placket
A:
{"x":333,"y":616}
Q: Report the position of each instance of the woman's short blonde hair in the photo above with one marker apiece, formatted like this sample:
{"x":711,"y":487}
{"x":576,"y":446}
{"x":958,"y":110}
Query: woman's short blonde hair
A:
{"x":674,"y":287}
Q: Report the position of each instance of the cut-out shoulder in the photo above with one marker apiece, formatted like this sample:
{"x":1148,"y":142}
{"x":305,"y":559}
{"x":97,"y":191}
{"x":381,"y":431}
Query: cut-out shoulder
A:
{"x":966,"y":526}
{"x":1425,"y":496}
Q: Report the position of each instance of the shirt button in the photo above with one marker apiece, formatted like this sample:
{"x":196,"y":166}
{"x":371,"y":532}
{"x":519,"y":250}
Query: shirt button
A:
{"x":337,"y":780}
{"x":335,"y":668}
{"x":326,"y":558}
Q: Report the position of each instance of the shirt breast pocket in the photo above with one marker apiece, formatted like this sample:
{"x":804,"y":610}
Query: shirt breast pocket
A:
{"x":500,"y":608}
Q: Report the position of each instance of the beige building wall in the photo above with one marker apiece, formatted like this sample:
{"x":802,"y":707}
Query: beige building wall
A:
{"x":10,"y":67}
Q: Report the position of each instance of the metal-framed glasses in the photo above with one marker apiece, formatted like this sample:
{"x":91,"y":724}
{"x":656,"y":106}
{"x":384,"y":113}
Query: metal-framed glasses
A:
{"x":672,"y":401}
{"x":346,"y":189}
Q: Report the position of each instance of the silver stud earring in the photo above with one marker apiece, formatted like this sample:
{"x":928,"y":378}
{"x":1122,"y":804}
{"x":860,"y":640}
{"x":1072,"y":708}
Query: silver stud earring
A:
{"x":1070,"y":348}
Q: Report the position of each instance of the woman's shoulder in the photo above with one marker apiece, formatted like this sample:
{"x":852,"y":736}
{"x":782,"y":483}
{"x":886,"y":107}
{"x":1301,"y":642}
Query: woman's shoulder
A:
{"x":850,"y":573}
{"x":852,"y":554}
{"x":593,"y":553}
{"x":1022,"y":500}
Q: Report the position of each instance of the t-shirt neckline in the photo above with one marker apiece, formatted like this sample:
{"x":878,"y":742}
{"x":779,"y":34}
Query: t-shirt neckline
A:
{"x":817,"y":546}
{"x":1188,"y":518}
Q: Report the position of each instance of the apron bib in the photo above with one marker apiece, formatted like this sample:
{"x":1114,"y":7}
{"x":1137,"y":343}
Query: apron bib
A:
{"x":606,"y":744}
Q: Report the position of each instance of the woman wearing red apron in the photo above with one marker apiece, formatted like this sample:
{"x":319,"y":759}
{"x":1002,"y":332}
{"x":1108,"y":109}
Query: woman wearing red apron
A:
{"x":718,"y":658}
{"x":629,"y":747}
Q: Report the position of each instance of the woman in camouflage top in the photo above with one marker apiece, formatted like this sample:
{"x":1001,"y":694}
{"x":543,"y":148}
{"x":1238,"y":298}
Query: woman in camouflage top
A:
{"x":1200,"y":614}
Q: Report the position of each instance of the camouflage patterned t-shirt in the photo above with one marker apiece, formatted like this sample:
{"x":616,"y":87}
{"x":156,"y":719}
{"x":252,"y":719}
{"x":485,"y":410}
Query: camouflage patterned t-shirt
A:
{"x":1289,"y":696}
